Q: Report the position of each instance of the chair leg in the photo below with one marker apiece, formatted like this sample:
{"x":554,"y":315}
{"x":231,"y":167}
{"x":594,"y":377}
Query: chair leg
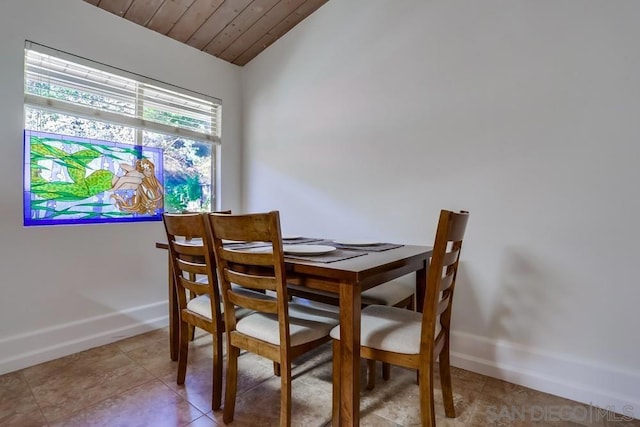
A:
{"x":216,"y":393}
{"x":386,"y":371}
{"x":445,"y":382}
{"x":276,"y":369}
{"x":427,"y":408}
{"x":285,"y":395}
{"x":371,"y":374}
{"x":232,"y":383}
{"x":335,"y":407}
{"x":183,"y":352}
{"x":192,"y":328}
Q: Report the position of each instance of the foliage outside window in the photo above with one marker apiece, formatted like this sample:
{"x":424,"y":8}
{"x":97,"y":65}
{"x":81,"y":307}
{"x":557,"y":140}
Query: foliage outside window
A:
{"x":88,"y":127}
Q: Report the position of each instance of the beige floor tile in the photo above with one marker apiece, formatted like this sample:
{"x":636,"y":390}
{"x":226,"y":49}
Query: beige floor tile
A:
{"x":398,"y":400}
{"x":203,"y":421}
{"x":18,"y":406}
{"x":78,"y":362}
{"x":197,"y":387}
{"x":150,"y":404}
{"x":260,"y":406}
{"x":373,"y":420}
{"x":157,"y":336}
{"x":258,"y":403}
{"x":67,"y":385}
{"x":615,"y":419}
{"x":154,"y":357}
{"x":540,"y":409}
{"x":13,"y":385}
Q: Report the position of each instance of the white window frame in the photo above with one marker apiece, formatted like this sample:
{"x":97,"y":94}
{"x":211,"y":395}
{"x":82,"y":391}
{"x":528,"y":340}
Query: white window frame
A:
{"x":161,"y":94}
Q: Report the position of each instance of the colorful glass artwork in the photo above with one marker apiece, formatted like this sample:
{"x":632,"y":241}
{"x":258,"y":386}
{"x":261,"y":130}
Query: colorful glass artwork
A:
{"x":73,"y":180}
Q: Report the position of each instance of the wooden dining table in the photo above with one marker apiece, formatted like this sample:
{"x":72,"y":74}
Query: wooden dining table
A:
{"x":346,"y":278}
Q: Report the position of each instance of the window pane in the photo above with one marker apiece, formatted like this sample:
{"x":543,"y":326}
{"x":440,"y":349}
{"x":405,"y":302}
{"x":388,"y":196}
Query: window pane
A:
{"x":167,"y":107}
{"x":56,"y":78}
{"x":64,"y":124}
{"x":188,"y":167}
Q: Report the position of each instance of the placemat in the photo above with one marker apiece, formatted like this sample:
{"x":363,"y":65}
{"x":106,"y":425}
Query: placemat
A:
{"x":337,"y":255}
{"x":359,"y":249}
{"x":298,"y":240}
{"x":246,"y":245}
{"x":379,"y":247}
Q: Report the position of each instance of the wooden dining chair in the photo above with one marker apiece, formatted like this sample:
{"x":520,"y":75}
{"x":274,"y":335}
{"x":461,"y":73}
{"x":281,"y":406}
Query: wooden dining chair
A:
{"x":195,"y":280}
{"x":198,"y":300}
{"x":394,"y":293}
{"x":411,"y":339}
{"x":277,"y":330}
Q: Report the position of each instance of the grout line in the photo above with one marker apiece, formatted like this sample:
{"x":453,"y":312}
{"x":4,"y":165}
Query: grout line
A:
{"x":33,"y":395}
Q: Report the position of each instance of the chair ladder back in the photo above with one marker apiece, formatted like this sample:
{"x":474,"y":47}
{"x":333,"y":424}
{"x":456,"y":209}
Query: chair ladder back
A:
{"x":441,"y":280}
{"x":253,"y":270}
{"x":452,"y":273}
{"x":191,"y":258}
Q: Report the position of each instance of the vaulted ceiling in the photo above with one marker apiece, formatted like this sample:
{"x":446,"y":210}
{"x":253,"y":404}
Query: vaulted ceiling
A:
{"x":233,"y":30}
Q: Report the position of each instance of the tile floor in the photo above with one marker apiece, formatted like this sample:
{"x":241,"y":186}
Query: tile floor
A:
{"x":132,"y":383}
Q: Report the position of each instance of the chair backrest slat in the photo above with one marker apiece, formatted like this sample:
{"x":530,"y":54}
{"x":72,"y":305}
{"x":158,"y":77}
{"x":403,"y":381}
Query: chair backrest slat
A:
{"x":245,"y":228}
{"x":443,"y":304}
{"x":446,"y":282}
{"x":191,"y":267}
{"x":251,"y":280}
{"x":263,"y":306}
{"x":249,"y":258}
{"x":450,"y":257}
{"x":197,"y":288}
{"x":439,"y":342}
{"x":191,"y":247}
{"x":458,"y":227}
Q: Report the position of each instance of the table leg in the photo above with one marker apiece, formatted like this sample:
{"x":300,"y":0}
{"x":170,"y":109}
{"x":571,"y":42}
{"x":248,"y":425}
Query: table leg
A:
{"x":350,"y":354}
{"x":174,"y":327}
{"x":421,"y":286}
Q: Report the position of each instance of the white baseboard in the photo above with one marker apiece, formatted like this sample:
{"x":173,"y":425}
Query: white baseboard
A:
{"x":598,"y":385}
{"x":28,"y":349}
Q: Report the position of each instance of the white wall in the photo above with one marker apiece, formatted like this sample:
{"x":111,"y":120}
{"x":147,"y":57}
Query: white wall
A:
{"x":372,"y":115}
{"x":65,"y":289}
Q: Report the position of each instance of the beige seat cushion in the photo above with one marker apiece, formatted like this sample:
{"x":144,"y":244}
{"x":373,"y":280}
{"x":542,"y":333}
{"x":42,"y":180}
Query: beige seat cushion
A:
{"x":306,"y":324}
{"x":389,"y":329}
{"x":202,"y":303}
{"x":389,"y":293}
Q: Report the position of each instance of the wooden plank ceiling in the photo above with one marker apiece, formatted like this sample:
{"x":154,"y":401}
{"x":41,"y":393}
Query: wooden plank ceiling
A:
{"x":233,"y":30}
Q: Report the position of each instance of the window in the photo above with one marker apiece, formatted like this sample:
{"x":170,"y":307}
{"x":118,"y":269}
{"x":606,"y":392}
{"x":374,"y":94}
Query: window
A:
{"x":105,"y":145}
